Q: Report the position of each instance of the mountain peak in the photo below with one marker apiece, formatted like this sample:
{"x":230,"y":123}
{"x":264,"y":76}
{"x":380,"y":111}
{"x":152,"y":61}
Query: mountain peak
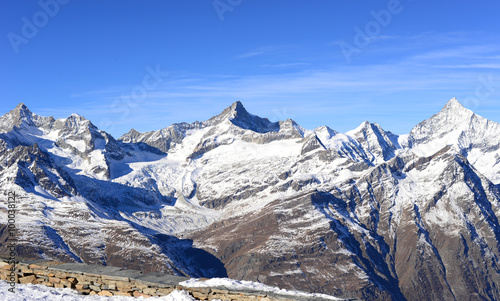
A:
{"x":368,"y":128}
{"x":21,"y":106}
{"x":238,"y":111}
{"x":363,"y":126}
{"x":454,"y":112}
{"x":454,"y":105}
{"x":239,"y":116}
{"x":234,"y":111}
{"x":21,"y":113}
{"x":237,"y":106}
{"x":325,"y":130}
{"x":22,"y":110}
{"x":452,"y":119}
{"x":453,"y":101}
{"x":75,"y":115}
{"x":22,"y":118}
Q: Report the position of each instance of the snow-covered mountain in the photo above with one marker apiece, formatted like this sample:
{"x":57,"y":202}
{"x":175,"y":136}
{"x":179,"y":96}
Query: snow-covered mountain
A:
{"x":366,"y":213}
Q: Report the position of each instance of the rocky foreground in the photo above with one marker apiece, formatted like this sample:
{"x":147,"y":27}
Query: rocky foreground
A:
{"x":112,"y":281}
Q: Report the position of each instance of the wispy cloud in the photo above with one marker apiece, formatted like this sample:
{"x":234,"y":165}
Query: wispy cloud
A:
{"x":372,"y":39}
{"x":111,"y":90}
{"x":256,"y":52}
{"x":250,"y":54}
{"x":471,"y":66}
{"x":285,"y":65}
{"x":464,"y":52}
{"x":430,"y":47}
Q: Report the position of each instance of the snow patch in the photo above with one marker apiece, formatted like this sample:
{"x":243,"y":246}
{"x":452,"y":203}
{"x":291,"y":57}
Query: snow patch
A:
{"x":248,"y":285}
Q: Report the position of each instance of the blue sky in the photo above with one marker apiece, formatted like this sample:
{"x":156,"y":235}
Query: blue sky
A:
{"x":148,"y":64}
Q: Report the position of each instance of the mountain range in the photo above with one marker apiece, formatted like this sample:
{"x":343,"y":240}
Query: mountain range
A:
{"x":366,"y":214}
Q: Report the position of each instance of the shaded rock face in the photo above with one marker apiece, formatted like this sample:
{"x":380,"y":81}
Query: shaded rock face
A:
{"x":312,"y":143}
{"x":376,"y":141}
{"x":365,"y":214}
{"x":32,"y":166}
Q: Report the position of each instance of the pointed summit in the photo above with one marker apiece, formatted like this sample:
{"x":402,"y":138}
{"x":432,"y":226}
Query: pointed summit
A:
{"x":23,"y":119}
{"x":19,"y":115}
{"x":238,"y":111}
{"x":454,"y":105}
{"x":233,"y":111}
{"x":452,"y":119}
{"x":325,"y":132}
{"x":454,"y":112}
{"x":239,"y":116}
{"x":363,"y":126}
{"x":238,"y":106}
{"x":381,"y":144}
{"x":453,"y":102}
{"x":451,"y":116}
{"x":21,"y":106}
{"x":368,"y":127}
{"x":132,"y":136}
{"x":22,"y":112}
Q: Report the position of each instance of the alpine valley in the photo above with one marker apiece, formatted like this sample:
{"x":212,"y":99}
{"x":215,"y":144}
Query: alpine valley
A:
{"x":365,"y":214}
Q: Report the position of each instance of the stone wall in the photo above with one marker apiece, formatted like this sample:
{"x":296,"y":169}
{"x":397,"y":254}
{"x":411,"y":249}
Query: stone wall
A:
{"x":112,"y":281}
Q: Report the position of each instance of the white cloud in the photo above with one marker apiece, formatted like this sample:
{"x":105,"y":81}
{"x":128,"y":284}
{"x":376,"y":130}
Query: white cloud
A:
{"x":256,"y":52}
